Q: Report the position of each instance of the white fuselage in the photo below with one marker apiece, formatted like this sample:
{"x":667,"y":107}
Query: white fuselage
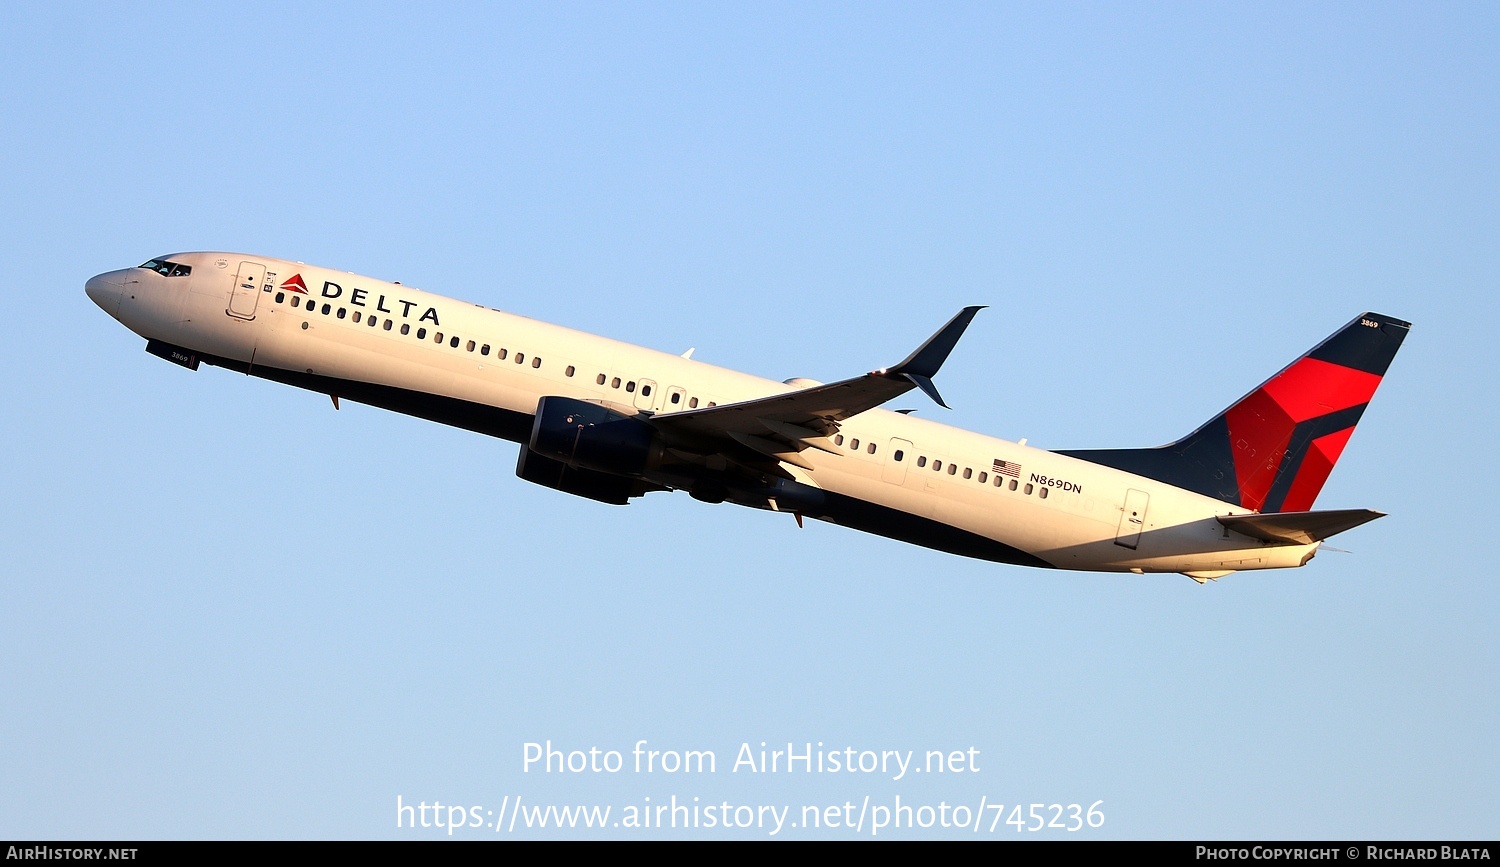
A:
{"x":1069,"y":513}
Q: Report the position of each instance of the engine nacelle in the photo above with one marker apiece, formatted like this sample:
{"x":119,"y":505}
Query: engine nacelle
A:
{"x":606,"y":488}
{"x":588,"y":436}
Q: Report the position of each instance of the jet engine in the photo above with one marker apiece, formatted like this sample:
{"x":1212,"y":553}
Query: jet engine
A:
{"x":589,"y":436}
{"x":604,"y":487}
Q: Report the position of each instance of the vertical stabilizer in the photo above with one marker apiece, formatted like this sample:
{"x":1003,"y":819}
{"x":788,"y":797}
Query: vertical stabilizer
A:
{"x":1274,"y":448}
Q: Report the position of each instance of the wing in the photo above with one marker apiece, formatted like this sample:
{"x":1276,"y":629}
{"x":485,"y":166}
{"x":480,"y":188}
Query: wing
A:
{"x":780,"y":426}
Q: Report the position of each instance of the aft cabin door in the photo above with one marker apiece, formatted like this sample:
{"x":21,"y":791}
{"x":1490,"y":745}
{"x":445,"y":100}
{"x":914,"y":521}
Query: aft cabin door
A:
{"x":246,"y":292}
{"x":1132,"y":518}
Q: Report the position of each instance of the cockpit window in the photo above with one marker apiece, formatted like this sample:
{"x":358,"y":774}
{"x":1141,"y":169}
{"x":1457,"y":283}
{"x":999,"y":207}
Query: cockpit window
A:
{"x":168,"y":269}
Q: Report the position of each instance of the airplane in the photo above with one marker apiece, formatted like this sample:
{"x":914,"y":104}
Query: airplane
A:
{"x":611,"y":422}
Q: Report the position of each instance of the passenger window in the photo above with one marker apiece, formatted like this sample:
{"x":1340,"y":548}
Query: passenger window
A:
{"x":469,"y":347}
{"x":501,"y":354}
{"x":711,"y":403}
{"x":854,"y":444}
{"x":983,"y":477}
{"x":952,"y":468}
{"x":484,"y":350}
{"x":387,"y":325}
{"x":520,"y":357}
{"x":692,"y":403}
{"x":922,"y":461}
{"x":326,"y":308}
{"x":280,"y":297}
{"x":296,"y":300}
{"x":1012,"y":484}
{"x":356,"y":316}
{"x":1028,"y":489}
{"x":838,"y":440}
{"x":968,"y":473}
{"x":937,"y":466}
{"x":1042,"y":493}
{"x":630,"y":386}
{"x":454,"y":342}
{"x":645,"y":391}
{"x":676,"y":398}
{"x":437,"y":337}
{"x":569,"y":371}
{"x":373,"y":321}
{"x":897,"y":456}
{"x":341,"y":313}
{"x":421,"y":334}
{"x":614,"y":383}
{"x":870,"y":448}
{"x":536,"y":361}
{"x":599,"y":379}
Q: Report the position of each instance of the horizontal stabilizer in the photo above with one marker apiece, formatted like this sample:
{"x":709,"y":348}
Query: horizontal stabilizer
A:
{"x":1299,"y":528}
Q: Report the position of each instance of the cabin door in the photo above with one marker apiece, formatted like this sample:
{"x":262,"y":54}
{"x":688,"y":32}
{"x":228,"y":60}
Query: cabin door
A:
{"x":1132,"y":518}
{"x":246,"y":293}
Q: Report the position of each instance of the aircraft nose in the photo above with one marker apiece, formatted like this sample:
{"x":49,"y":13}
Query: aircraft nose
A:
{"x":105,"y":290}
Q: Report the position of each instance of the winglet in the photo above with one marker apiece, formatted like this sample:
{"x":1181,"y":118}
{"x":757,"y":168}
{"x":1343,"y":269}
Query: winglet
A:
{"x":927,"y":387}
{"x":921,"y":366}
{"x":931,"y":355}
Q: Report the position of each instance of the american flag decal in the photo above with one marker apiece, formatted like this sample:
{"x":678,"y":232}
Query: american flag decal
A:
{"x":1006,"y":468}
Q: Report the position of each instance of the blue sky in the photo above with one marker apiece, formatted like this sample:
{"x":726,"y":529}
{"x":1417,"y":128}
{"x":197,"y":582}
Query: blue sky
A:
{"x":228,"y":611}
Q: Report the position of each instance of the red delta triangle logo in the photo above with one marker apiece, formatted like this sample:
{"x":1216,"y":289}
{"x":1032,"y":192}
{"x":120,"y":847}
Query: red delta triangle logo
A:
{"x":294,"y":284}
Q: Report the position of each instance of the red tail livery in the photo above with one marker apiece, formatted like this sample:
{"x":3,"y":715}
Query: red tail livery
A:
{"x":1274,"y":448}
